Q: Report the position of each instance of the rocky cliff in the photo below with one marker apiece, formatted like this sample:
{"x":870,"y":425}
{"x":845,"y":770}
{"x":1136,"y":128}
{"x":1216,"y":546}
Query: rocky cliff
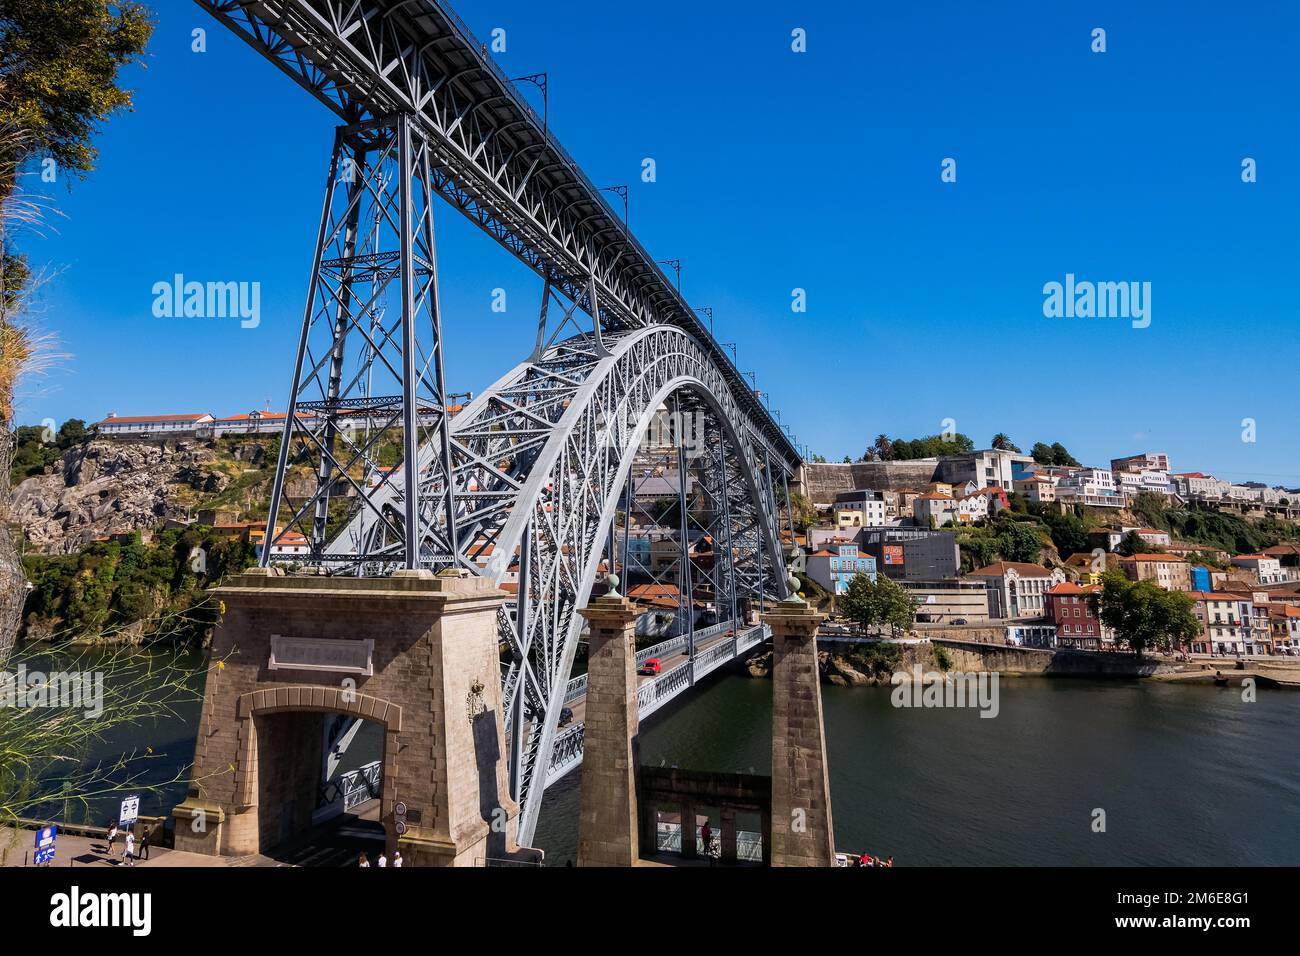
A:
{"x":107,"y":487}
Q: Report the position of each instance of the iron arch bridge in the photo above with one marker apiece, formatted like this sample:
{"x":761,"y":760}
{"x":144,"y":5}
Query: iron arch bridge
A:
{"x":542,"y":464}
{"x":537,"y":482}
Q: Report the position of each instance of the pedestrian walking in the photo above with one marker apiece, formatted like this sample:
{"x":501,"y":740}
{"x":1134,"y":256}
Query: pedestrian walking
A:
{"x":128,"y":849}
{"x":382,"y":861}
{"x":144,"y":845}
{"x":706,"y":837}
{"x":397,"y":859}
{"x":365,"y":861}
{"x":112,"y":837}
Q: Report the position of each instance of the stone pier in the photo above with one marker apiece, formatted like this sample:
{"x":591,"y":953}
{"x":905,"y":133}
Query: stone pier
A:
{"x":415,"y":653}
{"x":608,"y":823}
{"x":802,"y":834}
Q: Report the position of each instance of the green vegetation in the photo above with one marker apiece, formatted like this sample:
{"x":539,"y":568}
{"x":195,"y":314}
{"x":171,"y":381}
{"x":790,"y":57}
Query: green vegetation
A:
{"x":1053,"y":454}
{"x":942,"y":658}
{"x":804,"y":512}
{"x":869,"y":604}
{"x":114,"y":585}
{"x":60,"y":69}
{"x":1002,"y":538}
{"x":1217,"y":529}
{"x":33,"y":453}
{"x":47,"y":749}
{"x":1002,"y":442}
{"x":880,"y":660}
{"x":1133,"y":543}
{"x":1144,"y":615}
{"x":899,"y":449}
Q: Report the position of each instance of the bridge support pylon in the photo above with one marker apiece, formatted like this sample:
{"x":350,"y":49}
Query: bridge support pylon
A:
{"x":802,"y":834}
{"x":608,"y":823}
{"x":415,"y":653}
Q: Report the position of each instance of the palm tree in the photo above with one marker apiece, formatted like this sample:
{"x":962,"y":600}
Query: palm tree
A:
{"x":1003,"y":442}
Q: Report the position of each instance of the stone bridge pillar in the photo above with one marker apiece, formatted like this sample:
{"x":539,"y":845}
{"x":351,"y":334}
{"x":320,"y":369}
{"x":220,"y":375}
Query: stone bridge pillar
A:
{"x":608,"y":823}
{"x":802,"y":834}
{"x":415,"y":653}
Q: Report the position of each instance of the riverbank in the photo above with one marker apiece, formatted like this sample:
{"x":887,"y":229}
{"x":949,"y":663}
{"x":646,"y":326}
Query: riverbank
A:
{"x":865,"y":665}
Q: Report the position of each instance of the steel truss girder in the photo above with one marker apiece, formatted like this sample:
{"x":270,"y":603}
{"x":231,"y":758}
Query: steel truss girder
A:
{"x":494,"y":159}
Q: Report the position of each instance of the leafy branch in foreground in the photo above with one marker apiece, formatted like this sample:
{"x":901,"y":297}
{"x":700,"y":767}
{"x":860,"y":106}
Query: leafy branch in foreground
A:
{"x":45,"y":750}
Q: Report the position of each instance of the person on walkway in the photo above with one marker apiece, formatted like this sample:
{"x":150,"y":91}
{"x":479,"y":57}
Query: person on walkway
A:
{"x":382,"y":862}
{"x":706,"y":837}
{"x":144,"y":845}
{"x":112,"y":837}
{"x":397,"y":859}
{"x":128,"y":849}
{"x":364,"y":860}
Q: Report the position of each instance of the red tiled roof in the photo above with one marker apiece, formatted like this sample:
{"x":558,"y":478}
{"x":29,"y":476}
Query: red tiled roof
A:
{"x":144,"y":419}
{"x":1000,"y":568}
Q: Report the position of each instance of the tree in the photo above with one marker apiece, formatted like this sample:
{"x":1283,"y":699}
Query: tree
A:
{"x":47,"y":748}
{"x":931,"y":446}
{"x":1144,"y":615}
{"x":1062,"y":457}
{"x":1017,"y":541}
{"x":882,"y":448}
{"x":59,"y":61}
{"x":1053,"y":454}
{"x":871,"y":603}
{"x":1003,"y":443}
{"x":1133,"y":543}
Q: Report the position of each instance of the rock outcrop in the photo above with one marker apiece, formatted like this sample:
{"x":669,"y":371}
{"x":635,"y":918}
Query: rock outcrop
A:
{"x":110,"y":487}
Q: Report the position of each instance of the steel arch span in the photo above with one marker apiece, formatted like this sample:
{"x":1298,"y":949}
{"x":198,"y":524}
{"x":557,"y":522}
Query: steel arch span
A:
{"x":540,"y":464}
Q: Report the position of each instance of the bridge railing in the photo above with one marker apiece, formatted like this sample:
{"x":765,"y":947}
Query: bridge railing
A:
{"x":752,"y":637}
{"x":577,"y":686}
{"x":714,"y":657}
{"x":566,"y":754}
{"x":353,"y":787}
{"x":650,"y":697}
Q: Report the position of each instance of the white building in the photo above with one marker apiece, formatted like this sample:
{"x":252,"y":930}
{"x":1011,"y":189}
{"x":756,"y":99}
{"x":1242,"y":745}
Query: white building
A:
{"x":1194,"y":484}
{"x":1267,"y":570}
{"x":124,"y":426}
{"x":1132,"y":482}
{"x":861,"y":509}
{"x":991,"y":466}
{"x":1018,"y":589}
{"x":1091,"y":486}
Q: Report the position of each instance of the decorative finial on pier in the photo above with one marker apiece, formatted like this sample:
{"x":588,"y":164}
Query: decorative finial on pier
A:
{"x":792,"y":582}
{"x":611,"y":579}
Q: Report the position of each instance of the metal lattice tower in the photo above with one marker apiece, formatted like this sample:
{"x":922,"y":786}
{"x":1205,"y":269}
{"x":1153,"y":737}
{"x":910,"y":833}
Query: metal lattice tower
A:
{"x":373,"y":297}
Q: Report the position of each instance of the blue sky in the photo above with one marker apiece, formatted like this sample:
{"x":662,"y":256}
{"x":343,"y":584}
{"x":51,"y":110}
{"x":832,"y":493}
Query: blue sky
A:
{"x":777,"y":170}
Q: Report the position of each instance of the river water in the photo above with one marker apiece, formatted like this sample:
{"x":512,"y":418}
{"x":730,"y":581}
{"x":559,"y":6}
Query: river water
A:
{"x":1185,"y":774}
